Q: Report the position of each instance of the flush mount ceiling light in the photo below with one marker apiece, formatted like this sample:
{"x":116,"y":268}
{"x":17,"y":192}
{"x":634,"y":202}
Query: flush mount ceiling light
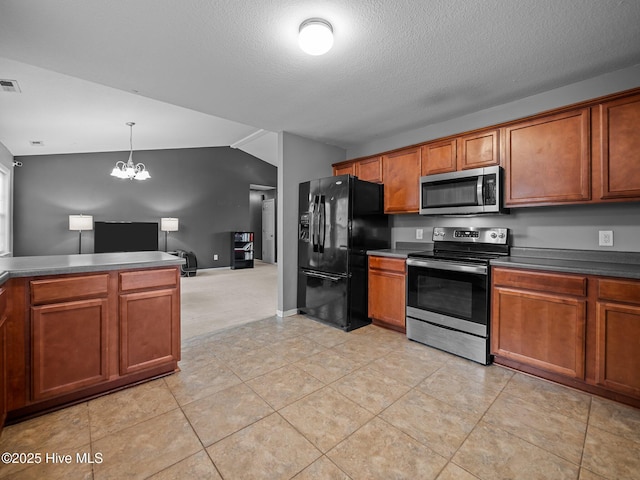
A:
{"x":129,"y":170}
{"x":316,"y":36}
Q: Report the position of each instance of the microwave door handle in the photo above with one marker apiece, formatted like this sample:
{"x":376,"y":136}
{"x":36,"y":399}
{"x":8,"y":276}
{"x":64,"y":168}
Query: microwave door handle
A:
{"x":480,"y":190}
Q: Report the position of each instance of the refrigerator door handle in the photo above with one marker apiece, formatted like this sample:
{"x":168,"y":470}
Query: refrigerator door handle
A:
{"x":322,"y":223}
{"x":314,"y":220}
{"x":323,"y":276}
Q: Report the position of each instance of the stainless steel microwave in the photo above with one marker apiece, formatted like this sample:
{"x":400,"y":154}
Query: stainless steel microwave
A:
{"x":467,"y":192}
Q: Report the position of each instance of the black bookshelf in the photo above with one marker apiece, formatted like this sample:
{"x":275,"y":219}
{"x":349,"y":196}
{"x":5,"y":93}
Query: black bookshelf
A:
{"x":241,"y":250}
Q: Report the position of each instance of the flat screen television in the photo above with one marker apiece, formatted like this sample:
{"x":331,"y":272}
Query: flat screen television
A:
{"x":125,"y":237}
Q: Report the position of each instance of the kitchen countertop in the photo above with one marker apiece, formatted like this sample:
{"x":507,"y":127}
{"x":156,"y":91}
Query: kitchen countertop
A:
{"x":391,"y":252}
{"x":96,"y":262}
{"x":402,"y":249}
{"x":591,"y":262}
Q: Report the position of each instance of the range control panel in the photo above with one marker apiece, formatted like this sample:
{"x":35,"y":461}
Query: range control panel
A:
{"x":471,"y":234}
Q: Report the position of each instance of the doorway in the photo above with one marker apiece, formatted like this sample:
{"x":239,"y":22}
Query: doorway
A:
{"x":262,"y":204}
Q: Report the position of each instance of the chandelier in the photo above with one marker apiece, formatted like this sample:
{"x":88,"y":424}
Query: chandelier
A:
{"x":129,"y":170}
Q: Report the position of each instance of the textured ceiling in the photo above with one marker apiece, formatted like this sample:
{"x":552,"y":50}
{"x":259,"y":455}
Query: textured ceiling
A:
{"x":395,"y":65}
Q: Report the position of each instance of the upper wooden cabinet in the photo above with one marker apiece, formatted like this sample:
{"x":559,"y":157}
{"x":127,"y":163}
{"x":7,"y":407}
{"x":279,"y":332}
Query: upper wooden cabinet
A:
{"x":547,"y":160}
{"x":439,"y":157}
{"x":620,"y":148}
{"x":344,"y":169}
{"x":585,"y":153}
{"x":479,"y":150}
{"x":369,"y":169}
{"x":401,"y":173}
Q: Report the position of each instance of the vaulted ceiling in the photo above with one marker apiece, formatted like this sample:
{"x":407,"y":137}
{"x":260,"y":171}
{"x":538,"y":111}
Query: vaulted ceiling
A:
{"x":207,"y":73}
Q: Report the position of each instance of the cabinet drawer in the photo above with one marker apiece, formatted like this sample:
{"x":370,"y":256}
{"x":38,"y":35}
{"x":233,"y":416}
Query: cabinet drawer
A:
{"x":386,"y":263}
{"x":542,"y":282}
{"x":146,"y":279}
{"x":71,"y":288}
{"x":620,"y":290}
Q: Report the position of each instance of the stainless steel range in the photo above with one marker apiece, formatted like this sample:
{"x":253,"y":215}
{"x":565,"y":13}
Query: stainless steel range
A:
{"x":448,"y":290}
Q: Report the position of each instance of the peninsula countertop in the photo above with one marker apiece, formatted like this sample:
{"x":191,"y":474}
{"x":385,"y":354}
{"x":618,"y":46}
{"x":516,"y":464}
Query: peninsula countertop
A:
{"x":61,"y":264}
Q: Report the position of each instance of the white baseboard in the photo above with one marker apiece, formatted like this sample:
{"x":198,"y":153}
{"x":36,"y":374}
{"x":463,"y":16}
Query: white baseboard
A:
{"x":287,"y":313}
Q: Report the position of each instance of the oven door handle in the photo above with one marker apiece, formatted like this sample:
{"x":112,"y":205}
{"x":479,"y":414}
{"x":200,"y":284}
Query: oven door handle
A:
{"x":452,"y":267}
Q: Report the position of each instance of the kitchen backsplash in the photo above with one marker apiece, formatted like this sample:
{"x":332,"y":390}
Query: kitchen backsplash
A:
{"x":569,"y":227}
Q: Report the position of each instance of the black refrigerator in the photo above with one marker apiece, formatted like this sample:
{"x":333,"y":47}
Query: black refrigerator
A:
{"x":340,"y":218}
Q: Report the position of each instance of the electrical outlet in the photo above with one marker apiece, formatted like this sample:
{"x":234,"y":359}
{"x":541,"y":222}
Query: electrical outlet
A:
{"x":419,"y":233}
{"x":605,"y":238}
{"x":215,"y":257}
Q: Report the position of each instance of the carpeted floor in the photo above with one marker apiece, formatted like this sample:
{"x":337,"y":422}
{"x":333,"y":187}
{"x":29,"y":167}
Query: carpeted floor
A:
{"x":216,"y":299}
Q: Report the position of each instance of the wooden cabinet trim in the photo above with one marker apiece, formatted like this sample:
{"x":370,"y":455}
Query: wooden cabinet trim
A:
{"x":70,"y":288}
{"x":541,"y":281}
{"x":619,"y":290}
{"x":145,"y":279}
{"x":387,"y":263}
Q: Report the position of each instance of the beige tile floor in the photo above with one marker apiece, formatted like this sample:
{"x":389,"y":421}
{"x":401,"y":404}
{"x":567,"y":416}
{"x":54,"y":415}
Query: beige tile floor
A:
{"x":292,"y":398}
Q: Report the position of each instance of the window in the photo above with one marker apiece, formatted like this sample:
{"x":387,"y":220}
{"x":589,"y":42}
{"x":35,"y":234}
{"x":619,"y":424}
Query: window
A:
{"x":5,"y":211}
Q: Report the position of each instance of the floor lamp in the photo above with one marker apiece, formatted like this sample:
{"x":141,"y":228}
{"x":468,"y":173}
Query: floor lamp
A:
{"x":168,"y":225}
{"x":79,"y":223}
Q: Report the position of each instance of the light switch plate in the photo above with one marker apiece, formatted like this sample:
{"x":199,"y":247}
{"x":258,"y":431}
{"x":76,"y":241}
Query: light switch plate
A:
{"x":419,"y":233}
{"x":605,"y":238}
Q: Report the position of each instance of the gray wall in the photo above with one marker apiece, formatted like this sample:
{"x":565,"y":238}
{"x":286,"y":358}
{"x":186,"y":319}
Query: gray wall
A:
{"x":573,"y":226}
{"x":206,"y":188}
{"x":301,"y":159}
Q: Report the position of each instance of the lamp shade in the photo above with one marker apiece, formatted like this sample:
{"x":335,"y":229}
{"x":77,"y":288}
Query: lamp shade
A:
{"x":80,"y":222}
{"x":169,"y":224}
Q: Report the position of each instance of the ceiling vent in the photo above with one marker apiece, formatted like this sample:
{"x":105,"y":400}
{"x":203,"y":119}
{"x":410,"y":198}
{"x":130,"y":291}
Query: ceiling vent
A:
{"x":36,"y":143}
{"x":10,"y":86}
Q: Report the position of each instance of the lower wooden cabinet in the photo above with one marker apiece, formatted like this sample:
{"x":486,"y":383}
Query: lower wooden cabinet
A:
{"x":580,"y":330}
{"x":387,"y":292}
{"x":534,"y":324}
{"x":618,"y":336}
{"x":148,"y":334}
{"x":3,"y":356}
{"x":76,"y":336}
{"x":69,"y":346}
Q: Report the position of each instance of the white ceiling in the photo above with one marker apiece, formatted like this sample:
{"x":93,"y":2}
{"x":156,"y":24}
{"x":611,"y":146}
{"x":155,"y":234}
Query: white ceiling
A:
{"x":207,"y":73}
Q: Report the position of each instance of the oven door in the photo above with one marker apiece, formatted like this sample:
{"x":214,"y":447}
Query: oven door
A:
{"x":450,"y":294}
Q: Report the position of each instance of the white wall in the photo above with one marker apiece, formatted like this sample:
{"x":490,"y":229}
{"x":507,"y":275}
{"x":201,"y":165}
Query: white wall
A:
{"x":301,"y":159}
{"x":6,"y":159}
